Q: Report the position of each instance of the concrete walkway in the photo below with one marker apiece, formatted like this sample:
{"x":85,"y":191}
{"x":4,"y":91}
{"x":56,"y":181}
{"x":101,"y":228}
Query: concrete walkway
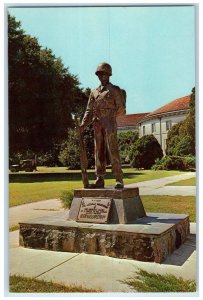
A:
{"x":95,"y":271}
{"x":22,"y":213}
{"x":158,"y":186}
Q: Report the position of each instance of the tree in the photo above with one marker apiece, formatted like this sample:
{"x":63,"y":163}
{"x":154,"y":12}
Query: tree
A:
{"x":125,"y":141}
{"x":145,"y":151}
{"x":42,"y":94}
{"x":181,"y":137}
{"x":70,"y":153}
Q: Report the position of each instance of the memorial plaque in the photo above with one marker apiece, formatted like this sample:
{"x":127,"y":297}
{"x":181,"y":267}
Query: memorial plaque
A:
{"x":94,"y":210}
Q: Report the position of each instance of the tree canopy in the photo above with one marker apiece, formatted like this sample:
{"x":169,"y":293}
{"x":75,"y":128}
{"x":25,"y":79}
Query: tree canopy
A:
{"x":125,"y":142}
{"x":42,"y":93}
{"x":181,"y":137}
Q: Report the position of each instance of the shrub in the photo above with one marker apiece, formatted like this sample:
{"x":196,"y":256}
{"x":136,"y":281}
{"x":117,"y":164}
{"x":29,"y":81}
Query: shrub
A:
{"x":190,"y":163}
{"x":16,"y":157}
{"x":144,"y":152}
{"x":181,"y":145}
{"x":175,"y":163}
{"x":69,"y":155}
{"x":48,"y":159}
{"x":66,"y":198}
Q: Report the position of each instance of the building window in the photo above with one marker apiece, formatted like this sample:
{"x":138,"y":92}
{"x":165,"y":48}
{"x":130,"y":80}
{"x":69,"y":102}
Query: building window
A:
{"x":153,"y":127}
{"x":168,"y":125}
{"x":143,"y":128}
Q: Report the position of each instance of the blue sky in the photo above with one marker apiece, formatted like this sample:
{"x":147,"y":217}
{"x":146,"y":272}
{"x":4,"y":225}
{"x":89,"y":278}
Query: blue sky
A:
{"x":151,"y":49}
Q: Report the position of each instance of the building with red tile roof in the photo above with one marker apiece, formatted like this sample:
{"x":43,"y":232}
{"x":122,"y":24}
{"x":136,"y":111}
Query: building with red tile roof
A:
{"x":160,"y":121}
{"x":178,"y":105}
{"x":129,"y":122}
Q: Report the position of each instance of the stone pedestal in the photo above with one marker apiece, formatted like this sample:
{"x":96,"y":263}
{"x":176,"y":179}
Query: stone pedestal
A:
{"x":126,"y":205}
{"x":128,"y":232}
{"x":151,"y":238}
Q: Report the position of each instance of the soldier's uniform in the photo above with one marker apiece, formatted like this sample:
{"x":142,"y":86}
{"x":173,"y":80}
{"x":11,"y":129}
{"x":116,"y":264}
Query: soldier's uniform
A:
{"x":104,"y":105}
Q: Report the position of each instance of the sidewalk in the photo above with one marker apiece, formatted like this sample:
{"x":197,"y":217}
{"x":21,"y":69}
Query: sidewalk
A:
{"x":157,"y":186}
{"x":33,"y":210}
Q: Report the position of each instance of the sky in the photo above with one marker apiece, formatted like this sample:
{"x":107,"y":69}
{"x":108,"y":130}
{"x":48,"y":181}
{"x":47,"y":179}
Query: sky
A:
{"x":151,"y":49}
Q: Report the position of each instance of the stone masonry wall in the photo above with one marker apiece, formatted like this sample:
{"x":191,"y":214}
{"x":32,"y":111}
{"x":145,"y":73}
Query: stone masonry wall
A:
{"x":118,"y":244}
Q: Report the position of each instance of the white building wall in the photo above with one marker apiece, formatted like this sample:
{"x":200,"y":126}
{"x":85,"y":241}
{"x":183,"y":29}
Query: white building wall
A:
{"x":159,"y":129}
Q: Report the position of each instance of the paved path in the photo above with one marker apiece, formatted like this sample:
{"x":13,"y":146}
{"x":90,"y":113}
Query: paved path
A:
{"x":157,"y":186}
{"x":33,"y":210}
{"x":25,"y":212}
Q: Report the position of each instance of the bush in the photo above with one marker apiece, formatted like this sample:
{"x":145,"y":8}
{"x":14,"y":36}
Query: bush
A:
{"x":181,"y":145}
{"x":69,"y":155}
{"x":190,"y":163}
{"x":144,"y":152}
{"x":184,"y":163}
{"x":66,"y":198}
{"x":48,"y":159}
{"x":15,"y":158}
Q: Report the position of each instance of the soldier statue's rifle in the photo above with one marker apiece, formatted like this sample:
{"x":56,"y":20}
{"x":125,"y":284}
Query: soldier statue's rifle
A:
{"x":83,"y":154}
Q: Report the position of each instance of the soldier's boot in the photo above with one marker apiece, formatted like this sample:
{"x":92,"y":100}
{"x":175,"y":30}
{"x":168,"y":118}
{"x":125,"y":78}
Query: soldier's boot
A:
{"x":119,"y":183}
{"x":99,"y":182}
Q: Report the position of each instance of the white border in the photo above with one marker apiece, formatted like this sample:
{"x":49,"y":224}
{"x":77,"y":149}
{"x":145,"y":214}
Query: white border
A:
{"x":4,"y":126}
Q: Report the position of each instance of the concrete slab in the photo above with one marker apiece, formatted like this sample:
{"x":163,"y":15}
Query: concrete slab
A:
{"x":156,"y":183}
{"x":33,"y":263}
{"x":93,"y":271}
{"x":152,"y":224}
{"x":24,"y":212}
{"x":170,"y":190}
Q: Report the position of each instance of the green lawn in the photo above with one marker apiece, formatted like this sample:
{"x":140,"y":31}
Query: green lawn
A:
{"x":19,"y":284}
{"x":171,"y":204}
{"x":186,"y":182}
{"x":144,"y":281}
{"x":30,"y":187}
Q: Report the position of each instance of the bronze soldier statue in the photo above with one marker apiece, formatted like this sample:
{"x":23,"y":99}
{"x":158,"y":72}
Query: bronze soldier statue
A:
{"x":105,"y":103}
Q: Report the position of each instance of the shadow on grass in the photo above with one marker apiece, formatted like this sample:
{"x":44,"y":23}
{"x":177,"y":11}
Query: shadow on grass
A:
{"x":47,"y":177}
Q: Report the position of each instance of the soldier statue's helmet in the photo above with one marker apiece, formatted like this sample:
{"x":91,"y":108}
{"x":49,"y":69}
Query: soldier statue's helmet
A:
{"x":104,"y":67}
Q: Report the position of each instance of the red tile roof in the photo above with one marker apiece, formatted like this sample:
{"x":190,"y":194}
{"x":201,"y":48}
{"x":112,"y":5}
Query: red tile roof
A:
{"x":182,"y":103}
{"x":130,"y":120}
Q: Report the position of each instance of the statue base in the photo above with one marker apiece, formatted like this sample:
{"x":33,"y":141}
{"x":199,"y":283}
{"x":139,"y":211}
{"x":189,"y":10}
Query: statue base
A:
{"x":151,"y":238}
{"x":125,"y":231}
{"x":124,"y":206}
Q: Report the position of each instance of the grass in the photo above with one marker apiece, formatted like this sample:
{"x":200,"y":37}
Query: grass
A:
{"x":14,"y":227}
{"x":19,"y":284}
{"x":31,"y":187}
{"x":171,"y":204}
{"x":150,"y":282}
{"x":186,"y":182}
